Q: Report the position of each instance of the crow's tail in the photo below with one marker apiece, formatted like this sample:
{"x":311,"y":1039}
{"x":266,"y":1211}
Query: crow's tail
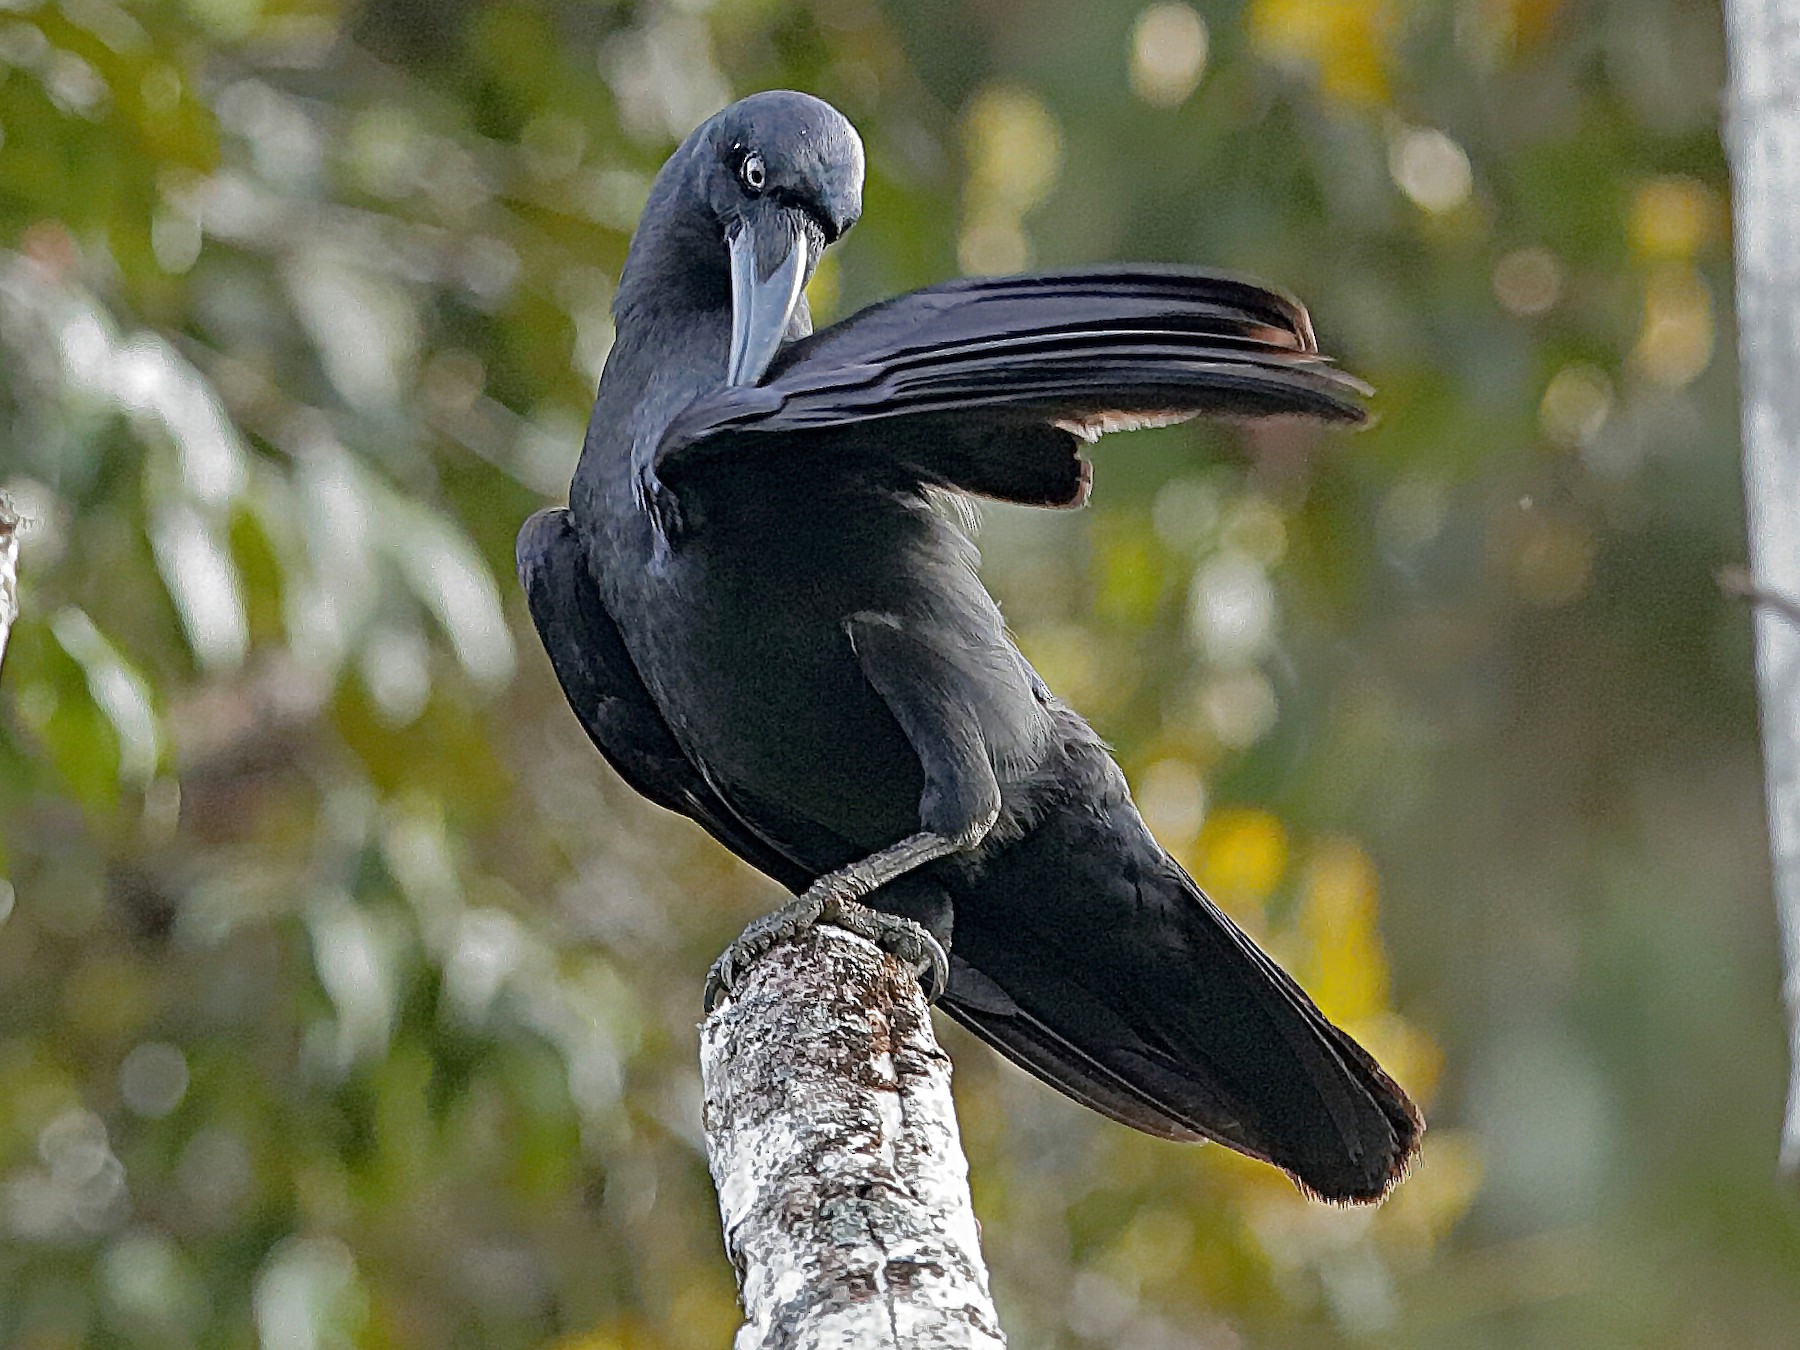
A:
{"x":1090,"y":958}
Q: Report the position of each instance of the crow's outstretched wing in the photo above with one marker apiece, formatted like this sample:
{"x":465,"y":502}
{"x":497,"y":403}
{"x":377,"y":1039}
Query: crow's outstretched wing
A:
{"x":610,"y":700}
{"x":991,"y":384}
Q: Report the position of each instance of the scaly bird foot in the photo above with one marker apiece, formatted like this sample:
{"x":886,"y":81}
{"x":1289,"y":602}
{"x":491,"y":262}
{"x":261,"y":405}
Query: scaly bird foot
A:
{"x":910,"y":942}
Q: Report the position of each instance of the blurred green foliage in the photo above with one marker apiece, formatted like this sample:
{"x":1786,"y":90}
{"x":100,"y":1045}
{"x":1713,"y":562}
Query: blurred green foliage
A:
{"x":347,"y":1000}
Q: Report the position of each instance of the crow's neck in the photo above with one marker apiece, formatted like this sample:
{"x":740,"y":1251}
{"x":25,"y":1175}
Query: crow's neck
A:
{"x":677,"y":276}
{"x":670,"y":345}
{"x":672,"y":337}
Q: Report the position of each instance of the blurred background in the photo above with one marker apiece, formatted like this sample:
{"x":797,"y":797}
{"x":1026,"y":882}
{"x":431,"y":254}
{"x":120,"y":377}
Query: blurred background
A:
{"x":346,"y":999}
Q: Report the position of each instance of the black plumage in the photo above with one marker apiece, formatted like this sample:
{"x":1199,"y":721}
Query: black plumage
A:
{"x":764,"y":623}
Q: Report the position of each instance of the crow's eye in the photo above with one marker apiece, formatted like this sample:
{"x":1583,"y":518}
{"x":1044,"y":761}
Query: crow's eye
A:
{"x":753,"y":173}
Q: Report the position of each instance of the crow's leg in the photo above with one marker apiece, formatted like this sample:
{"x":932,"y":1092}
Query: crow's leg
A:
{"x":928,"y":696}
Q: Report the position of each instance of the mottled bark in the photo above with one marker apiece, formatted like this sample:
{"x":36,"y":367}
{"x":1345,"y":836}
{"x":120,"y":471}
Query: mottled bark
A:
{"x":1764,"y":139}
{"x":832,"y":1138}
{"x":9,"y":571}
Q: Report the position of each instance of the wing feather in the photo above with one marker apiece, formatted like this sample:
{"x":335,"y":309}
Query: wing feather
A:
{"x":990,"y":385}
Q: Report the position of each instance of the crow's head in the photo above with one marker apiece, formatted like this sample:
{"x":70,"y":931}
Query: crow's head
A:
{"x":759,"y":191}
{"x":783,"y":153}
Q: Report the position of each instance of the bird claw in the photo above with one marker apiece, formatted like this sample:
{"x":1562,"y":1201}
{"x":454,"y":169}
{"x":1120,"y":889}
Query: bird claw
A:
{"x":779,"y":925}
{"x":909,"y":942}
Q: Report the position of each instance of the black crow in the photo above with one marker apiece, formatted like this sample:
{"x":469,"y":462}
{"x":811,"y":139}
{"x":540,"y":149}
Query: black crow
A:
{"x":765,"y":623}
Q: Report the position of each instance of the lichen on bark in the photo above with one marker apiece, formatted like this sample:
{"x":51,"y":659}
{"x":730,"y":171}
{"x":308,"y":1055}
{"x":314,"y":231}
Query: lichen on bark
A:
{"x":832,"y":1137}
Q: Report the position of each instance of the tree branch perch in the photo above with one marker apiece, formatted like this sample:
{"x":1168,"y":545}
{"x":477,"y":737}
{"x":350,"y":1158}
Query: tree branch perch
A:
{"x":832,"y":1140}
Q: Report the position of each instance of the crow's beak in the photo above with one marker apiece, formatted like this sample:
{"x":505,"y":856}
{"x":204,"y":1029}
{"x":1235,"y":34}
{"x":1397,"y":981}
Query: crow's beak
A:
{"x":768,"y":268}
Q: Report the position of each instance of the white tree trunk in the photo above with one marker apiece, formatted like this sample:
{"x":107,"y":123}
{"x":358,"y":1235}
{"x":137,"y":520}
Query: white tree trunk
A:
{"x":9,"y":571}
{"x":833,"y":1144}
{"x":1763,"y":132}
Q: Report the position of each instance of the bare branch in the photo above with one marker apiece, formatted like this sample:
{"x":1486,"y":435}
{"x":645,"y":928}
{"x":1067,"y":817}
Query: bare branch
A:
{"x":1761,"y":132}
{"x":9,"y":570}
{"x":833,"y":1143}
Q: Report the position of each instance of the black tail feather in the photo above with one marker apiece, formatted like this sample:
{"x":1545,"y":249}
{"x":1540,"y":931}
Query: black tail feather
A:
{"x":1092,"y":960}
